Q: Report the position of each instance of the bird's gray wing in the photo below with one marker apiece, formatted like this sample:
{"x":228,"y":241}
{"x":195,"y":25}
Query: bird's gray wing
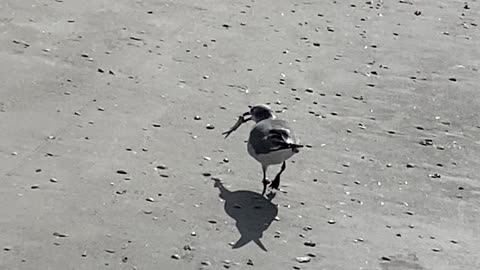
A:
{"x":271,"y":135}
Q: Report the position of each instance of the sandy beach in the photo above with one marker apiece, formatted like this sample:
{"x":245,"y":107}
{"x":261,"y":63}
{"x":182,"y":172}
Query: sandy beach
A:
{"x":111,"y":153}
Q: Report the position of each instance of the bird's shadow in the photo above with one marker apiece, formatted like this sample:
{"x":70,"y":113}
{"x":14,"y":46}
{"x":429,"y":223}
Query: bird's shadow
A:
{"x":252,"y":212}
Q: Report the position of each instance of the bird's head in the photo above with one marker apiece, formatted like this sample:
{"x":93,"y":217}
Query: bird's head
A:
{"x":260,"y":112}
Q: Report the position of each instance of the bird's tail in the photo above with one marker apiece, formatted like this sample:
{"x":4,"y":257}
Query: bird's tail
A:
{"x":294,"y":145}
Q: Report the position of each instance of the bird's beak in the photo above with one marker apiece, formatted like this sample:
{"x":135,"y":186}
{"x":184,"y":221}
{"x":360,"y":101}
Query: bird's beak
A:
{"x":246,"y":119}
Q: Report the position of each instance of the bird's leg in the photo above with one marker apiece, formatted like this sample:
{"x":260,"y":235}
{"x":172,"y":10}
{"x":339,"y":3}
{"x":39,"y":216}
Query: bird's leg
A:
{"x":265,"y":179}
{"x":276,"y":182}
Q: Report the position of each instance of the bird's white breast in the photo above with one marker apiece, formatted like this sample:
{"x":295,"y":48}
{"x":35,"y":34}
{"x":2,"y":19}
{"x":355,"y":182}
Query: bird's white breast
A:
{"x":272,"y":158}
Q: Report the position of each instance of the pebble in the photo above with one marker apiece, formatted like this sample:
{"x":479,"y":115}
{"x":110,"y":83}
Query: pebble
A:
{"x":310,"y":244}
{"x":121,"y":172}
{"x":161,"y":167}
{"x":331,"y":221}
{"x":34,"y":187}
{"x":385,"y":258}
{"x":303,"y":259}
{"x":7,"y":248}
{"x":53,"y":180}
{"x":436,"y":249}
{"x":135,"y":38}
{"x":210,"y":127}
{"x":175,"y":256}
{"x":197,"y":117}
{"x":150,"y":199}
{"x":410,"y":165}
{"x":426,"y":142}
{"x":206,"y":263}
{"x":249,"y":262}
{"x":156,"y":125}
{"x":25,"y":45}
{"x":307,"y":228}
{"x":60,"y":235}
{"x":358,"y":240}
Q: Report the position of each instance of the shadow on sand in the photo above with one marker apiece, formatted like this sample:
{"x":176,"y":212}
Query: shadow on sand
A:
{"x":252,"y":212}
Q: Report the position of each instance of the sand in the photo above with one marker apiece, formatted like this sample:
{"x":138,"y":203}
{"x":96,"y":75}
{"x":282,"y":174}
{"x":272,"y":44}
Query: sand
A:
{"x":111,"y":153}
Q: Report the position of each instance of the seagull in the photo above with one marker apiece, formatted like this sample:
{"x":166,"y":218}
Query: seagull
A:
{"x":271,"y":141}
